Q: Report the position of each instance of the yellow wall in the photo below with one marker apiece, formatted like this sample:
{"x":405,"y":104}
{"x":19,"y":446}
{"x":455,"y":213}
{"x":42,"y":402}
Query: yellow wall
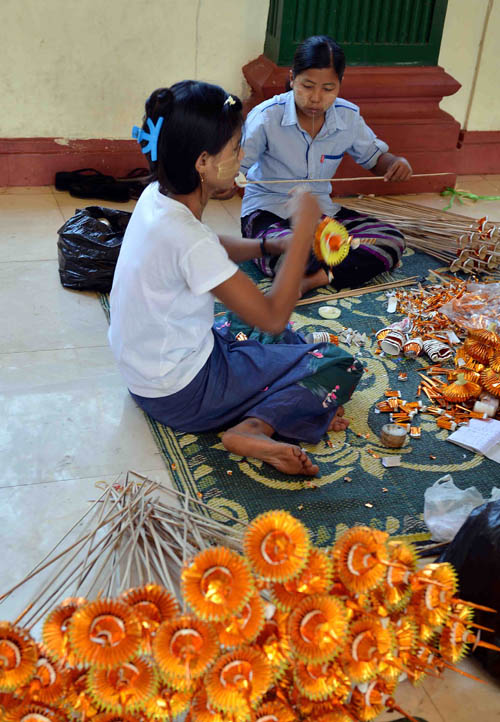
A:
{"x":83,"y":68}
{"x":476,"y":108}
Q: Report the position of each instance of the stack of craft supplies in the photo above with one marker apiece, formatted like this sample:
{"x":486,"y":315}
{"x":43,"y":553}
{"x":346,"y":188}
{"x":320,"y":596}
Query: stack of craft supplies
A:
{"x":456,"y":395}
{"x":464,"y":243}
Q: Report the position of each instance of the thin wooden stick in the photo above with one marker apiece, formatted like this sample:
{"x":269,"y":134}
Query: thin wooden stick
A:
{"x":335,"y":180}
{"x":359,"y":291}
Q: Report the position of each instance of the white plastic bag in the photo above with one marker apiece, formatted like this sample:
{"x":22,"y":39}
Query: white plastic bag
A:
{"x":446,"y":507}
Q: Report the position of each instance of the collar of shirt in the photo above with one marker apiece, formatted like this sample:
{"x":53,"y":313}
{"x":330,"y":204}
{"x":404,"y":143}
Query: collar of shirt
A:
{"x":333,"y":120}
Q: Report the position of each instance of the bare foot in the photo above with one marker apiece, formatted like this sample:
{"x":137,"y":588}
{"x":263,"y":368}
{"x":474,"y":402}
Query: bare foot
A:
{"x":339,"y":422}
{"x":320,"y":278}
{"x":252,"y":437}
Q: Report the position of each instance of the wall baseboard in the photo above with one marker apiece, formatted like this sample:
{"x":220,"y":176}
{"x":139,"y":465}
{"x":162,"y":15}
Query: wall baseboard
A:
{"x":479,"y":152}
{"x":35,"y":161}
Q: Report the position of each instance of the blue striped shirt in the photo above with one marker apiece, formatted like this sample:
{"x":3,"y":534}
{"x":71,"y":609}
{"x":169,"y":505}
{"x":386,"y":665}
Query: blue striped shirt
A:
{"x":277,"y":147}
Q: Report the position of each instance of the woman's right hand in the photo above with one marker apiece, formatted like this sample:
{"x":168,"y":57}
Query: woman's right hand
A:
{"x":306,"y":213}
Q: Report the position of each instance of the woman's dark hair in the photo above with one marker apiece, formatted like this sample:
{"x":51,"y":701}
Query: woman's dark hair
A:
{"x":197,"y":117}
{"x":319,"y":51}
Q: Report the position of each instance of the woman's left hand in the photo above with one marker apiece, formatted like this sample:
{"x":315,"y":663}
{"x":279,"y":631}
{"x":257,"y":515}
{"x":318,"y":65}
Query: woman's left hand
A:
{"x":399,"y":170}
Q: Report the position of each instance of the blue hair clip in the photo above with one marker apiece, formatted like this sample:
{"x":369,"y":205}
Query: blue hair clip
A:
{"x":152,"y":137}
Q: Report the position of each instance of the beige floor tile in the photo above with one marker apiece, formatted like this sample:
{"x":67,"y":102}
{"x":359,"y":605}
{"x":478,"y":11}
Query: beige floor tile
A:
{"x":67,"y":429}
{"x":28,"y":227}
{"x":68,"y":204}
{"x":218,"y":218}
{"x":34,"y":519}
{"x":38,"y":313}
{"x":494,"y":180}
{"x":460,"y":699}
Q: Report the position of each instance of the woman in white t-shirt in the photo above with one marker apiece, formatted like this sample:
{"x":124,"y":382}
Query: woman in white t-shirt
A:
{"x":180,"y":367}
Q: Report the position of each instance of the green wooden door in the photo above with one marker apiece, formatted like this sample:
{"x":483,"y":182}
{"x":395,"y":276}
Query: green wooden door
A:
{"x":372,"y":32}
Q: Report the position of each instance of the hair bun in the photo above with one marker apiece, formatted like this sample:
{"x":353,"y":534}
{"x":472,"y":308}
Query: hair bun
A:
{"x":159,"y":103}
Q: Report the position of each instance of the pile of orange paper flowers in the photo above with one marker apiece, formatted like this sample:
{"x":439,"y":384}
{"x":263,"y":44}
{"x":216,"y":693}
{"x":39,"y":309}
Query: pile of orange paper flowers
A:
{"x":284,"y":631}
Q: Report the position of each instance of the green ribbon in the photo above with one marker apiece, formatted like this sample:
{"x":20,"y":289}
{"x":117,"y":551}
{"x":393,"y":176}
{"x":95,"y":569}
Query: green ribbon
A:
{"x":457,"y":194}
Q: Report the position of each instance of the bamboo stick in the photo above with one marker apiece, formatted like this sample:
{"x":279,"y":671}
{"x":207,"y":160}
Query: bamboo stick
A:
{"x":334,"y":180}
{"x":359,"y":291}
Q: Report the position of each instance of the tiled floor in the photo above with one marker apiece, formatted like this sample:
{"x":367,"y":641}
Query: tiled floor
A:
{"x":67,"y":420}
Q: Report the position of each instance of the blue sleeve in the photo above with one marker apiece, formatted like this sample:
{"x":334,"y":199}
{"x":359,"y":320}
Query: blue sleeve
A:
{"x":366,"y":148}
{"x":254,"y":141}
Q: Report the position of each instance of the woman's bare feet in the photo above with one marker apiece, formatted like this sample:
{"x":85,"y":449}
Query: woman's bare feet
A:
{"x":320,"y":278}
{"x":252,"y":437}
{"x":339,"y":422}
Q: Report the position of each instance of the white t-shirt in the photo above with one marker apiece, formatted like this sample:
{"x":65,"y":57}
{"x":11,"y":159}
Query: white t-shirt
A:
{"x":162,"y":310}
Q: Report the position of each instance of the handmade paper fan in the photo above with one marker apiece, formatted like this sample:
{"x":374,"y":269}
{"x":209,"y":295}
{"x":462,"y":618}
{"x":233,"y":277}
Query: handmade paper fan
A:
{"x":332,"y":242}
{"x":315,"y":578}
{"x":370,"y":702}
{"x":55,"y":630}
{"x":360,"y":558}
{"x":217,"y":583}
{"x":320,"y":681}
{"x":434,"y":587}
{"x":104,"y":633}
{"x":152,"y":605}
{"x":238,"y":680}
{"x":369,"y":641}
{"x":274,"y":711}
{"x":277,"y":545}
{"x":18,"y":656}
{"x":244,"y":626}
{"x":491,"y":382}
{"x":184,"y":647}
{"x":318,"y":628}
{"x":35,"y":712}
{"x":478,"y":350}
{"x":123,"y":688}
{"x":48,"y":684}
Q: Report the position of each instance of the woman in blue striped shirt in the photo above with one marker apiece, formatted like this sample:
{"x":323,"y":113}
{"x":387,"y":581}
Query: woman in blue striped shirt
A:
{"x":304,"y":133}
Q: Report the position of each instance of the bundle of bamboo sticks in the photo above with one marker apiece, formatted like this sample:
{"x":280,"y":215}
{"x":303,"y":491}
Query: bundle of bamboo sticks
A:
{"x":136,"y":532}
{"x":462,"y":242}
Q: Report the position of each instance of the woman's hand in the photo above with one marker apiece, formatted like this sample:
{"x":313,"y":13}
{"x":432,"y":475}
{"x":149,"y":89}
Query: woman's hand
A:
{"x":305,"y":215}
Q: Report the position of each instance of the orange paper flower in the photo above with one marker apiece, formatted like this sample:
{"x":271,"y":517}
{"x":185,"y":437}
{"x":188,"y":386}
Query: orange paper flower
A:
{"x":395,"y":589}
{"x":217,"y":583}
{"x":368,"y":644}
{"x":274,"y":642}
{"x":123,"y":688}
{"x":322,"y":681}
{"x":318,"y":628}
{"x":184,"y":647}
{"x":369,"y":704}
{"x":435,"y":587}
{"x":55,"y":630}
{"x":48,"y":685}
{"x":359,"y":558}
{"x":491,"y":382}
{"x":331,"y":242}
{"x":202,"y":711}
{"x":35,"y":712}
{"x":18,"y":656}
{"x":238,"y":680}
{"x":77,"y":700}
{"x":277,"y":545}
{"x":152,"y":605}
{"x":274,"y":712}
{"x":478,"y":350}
{"x":245,"y":626}
{"x":104,"y":633}
{"x":315,"y":578}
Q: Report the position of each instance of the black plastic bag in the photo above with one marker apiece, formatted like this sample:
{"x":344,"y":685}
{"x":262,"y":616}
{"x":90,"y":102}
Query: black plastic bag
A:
{"x":88,"y":247}
{"x":475,"y":554}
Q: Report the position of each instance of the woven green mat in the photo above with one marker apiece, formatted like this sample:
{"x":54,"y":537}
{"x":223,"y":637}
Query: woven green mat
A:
{"x":353,"y":486}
